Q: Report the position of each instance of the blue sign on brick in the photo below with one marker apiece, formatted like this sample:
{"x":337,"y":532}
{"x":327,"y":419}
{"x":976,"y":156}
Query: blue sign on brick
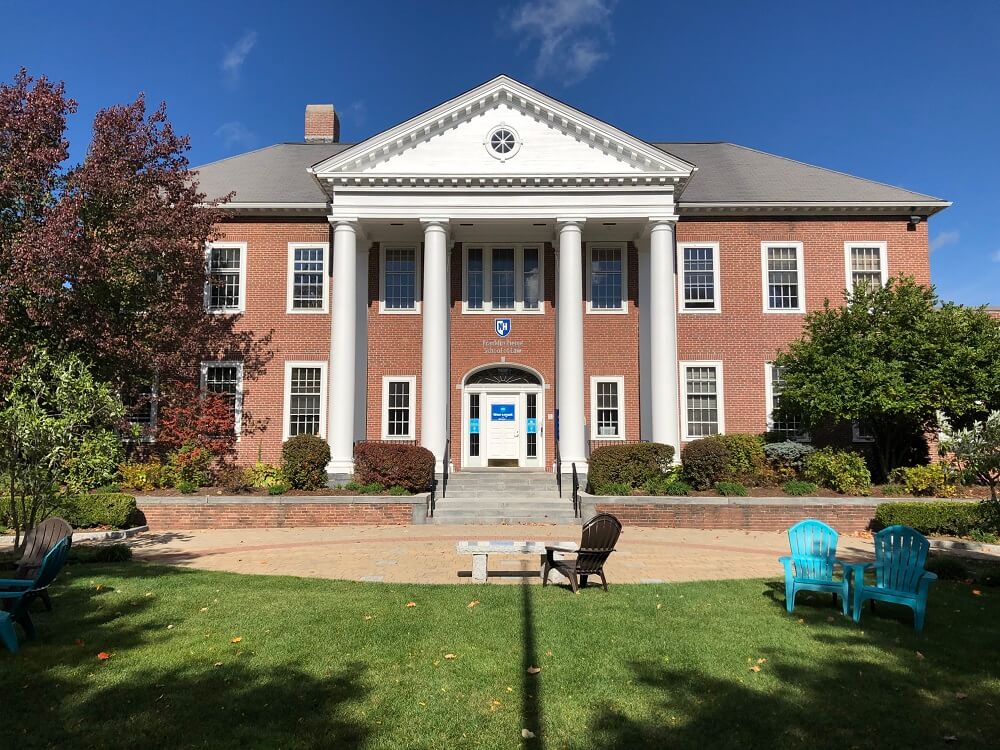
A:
{"x":532,"y":425}
{"x":502,"y":412}
{"x":473,"y":426}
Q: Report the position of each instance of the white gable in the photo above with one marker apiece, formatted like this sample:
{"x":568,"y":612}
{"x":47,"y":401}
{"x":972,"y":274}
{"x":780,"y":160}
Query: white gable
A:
{"x":552,"y":139}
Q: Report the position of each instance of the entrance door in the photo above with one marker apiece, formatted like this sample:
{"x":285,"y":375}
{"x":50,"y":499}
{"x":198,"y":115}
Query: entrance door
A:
{"x":503,"y":437}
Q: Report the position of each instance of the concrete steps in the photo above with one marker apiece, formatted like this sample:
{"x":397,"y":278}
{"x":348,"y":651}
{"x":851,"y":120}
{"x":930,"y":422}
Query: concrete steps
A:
{"x":503,"y":497}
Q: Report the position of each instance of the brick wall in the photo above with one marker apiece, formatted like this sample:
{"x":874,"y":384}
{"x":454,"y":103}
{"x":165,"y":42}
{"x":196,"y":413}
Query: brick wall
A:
{"x":746,"y":517}
{"x":273,"y":515}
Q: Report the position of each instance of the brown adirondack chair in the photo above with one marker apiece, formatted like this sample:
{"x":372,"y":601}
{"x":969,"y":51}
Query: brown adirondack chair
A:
{"x":38,"y":542}
{"x":600,"y":534}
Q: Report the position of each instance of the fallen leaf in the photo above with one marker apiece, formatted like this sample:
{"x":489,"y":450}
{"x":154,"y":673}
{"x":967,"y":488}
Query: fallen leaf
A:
{"x":472,"y":604}
{"x":411,"y":604}
{"x":950,"y":738}
{"x":920,"y":656}
{"x":203,"y":609}
{"x":534,"y":670}
{"x":659,"y":606}
{"x":761,"y":660}
{"x":977,"y":592}
{"x":237,"y":639}
{"x":449,"y":657}
{"x":218,"y":664}
{"x":104,"y":656}
{"x":99,"y":587}
{"x":527,"y":734}
{"x":368,"y":617}
{"x":961,"y":696}
{"x":510,"y":689}
{"x":800,"y":621}
{"x":830,"y":618}
{"x":549,"y":652}
{"x":755,"y":668}
{"x":170,"y":627}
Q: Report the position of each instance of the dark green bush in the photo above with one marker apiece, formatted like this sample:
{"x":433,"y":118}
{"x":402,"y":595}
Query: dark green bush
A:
{"x":798,"y":488}
{"x":704,"y":462}
{"x":678,"y":488}
{"x":731,"y":489}
{"x":277,"y":489}
{"x":112,"y":509}
{"x":615,"y":489}
{"x":185,"y":487}
{"x":304,"y":461}
{"x":950,"y":517}
{"x":947,"y":567}
{"x":397,"y":490}
{"x":840,"y":471}
{"x":408,"y":466}
{"x":631,"y":465}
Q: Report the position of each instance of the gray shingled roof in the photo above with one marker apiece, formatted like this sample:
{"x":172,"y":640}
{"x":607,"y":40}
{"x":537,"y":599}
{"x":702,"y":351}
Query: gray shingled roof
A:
{"x":727,"y":173}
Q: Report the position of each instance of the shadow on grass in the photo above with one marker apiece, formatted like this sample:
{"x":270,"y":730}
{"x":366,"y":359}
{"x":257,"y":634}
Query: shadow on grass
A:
{"x":531,"y":688}
{"x":57,"y":693}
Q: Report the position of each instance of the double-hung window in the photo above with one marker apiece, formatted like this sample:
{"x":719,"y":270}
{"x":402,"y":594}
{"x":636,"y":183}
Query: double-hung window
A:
{"x":503,"y":278}
{"x":307,"y":277}
{"x":305,"y":398}
{"x":606,"y":395}
{"x":398,"y":408}
{"x":400,"y":281}
{"x":225,"y":378}
{"x":791,"y":426}
{"x":607,"y":278}
{"x":701,"y":386}
{"x":226,"y":276}
{"x":699,"y":263}
{"x":783,"y":277}
{"x":141,"y":409}
{"x":866,"y":264}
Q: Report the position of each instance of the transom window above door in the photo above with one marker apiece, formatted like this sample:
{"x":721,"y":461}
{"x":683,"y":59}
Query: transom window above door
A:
{"x":498,"y":278}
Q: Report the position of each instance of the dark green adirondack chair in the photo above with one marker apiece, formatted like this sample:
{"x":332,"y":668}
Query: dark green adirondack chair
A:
{"x":18,"y":594}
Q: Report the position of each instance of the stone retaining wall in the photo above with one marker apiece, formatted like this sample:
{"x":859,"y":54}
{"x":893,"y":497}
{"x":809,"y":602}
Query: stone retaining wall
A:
{"x":242,"y":512}
{"x":750,"y":514}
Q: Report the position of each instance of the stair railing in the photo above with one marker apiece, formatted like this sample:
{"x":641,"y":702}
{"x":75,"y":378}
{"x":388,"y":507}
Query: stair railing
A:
{"x":577,"y":510}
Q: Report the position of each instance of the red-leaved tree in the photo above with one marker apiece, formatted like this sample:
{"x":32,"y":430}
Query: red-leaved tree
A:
{"x":189,"y":417}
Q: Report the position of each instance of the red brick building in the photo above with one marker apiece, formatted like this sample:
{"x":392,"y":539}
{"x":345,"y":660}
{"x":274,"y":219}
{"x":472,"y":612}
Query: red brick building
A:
{"x":503,"y":271}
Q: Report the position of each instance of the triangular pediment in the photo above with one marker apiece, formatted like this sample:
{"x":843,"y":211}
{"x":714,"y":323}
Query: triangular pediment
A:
{"x":542,"y":137}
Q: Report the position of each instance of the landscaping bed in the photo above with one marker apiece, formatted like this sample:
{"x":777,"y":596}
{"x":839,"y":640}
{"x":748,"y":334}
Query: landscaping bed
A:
{"x":190,"y":664}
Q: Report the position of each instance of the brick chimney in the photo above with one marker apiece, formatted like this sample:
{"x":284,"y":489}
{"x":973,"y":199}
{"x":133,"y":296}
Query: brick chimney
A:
{"x":322,"y":124}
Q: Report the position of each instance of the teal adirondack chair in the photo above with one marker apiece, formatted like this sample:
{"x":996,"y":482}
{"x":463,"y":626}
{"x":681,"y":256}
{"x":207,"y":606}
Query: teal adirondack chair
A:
{"x":811,"y":565}
{"x":900,"y":554}
{"x":16,"y":594}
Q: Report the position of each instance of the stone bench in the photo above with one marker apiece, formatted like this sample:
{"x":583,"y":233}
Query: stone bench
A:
{"x":481,"y":551}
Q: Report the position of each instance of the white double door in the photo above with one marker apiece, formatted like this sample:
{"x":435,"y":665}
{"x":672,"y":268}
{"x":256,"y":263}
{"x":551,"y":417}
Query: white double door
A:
{"x":506,"y":429}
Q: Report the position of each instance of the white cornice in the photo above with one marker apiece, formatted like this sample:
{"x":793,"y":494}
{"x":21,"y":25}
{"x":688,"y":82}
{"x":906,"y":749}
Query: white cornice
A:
{"x":881,"y":208}
{"x":503,"y":89}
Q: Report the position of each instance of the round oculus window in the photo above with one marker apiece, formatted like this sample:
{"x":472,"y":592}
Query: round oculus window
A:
{"x":502,"y":142}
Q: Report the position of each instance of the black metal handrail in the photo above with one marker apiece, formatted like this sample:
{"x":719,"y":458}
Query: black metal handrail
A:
{"x":444,"y":468}
{"x":558,"y":469}
{"x":577,"y":511}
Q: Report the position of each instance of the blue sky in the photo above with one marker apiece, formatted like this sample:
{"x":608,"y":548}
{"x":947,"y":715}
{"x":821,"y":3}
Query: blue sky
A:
{"x":903,"y":92}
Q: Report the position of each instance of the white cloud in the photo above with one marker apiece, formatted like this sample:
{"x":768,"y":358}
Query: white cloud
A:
{"x":235,"y":133}
{"x":943,"y":239}
{"x":236,"y":55}
{"x":572,"y":35}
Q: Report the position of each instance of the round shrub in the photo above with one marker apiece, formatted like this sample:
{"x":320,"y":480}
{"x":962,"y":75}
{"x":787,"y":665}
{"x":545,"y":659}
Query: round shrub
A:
{"x":745,"y":460}
{"x":631,"y":465}
{"x":787,"y":454}
{"x":304,"y":461}
{"x":704,"y":462}
{"x":730,"y":489}
{"x":931,"y":480}
{"x":233,"y":479}
{"x":840,"y":471}
{"x":394,"y":464}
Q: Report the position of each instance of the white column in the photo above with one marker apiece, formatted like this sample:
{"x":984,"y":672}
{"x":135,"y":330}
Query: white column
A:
{"x":361,"y":347}
{"x":663,"y":334}
{"x":645,"y":379}
{"x":569,"y":361}
{"x":343,"y":351}
{"x":434,"y":390}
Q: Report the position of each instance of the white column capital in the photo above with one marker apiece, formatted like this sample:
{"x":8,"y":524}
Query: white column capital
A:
{"x":347,"y":224}
{"x":571,"y":222}
{"x":660,"y":224}
{"x":434,"y":224}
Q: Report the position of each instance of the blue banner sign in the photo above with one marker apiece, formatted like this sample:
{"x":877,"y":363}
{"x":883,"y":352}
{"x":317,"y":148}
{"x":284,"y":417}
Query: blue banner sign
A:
{"x":473,"y":426}
{"x":532,"y":425}
{"x":502,"y":412}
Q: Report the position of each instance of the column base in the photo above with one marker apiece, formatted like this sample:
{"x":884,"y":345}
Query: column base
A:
{"x":581,"y":465}
{"x":340,"y":470}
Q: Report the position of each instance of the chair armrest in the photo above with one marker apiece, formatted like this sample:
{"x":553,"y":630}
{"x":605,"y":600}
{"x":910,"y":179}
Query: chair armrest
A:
{"x":928,"y":576}
{"x":553,"y":548}
{"x":11,"y":594}
{"x":25,"y":583}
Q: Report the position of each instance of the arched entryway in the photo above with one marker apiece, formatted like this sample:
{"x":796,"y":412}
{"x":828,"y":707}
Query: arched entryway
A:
{"x":502,"y":417}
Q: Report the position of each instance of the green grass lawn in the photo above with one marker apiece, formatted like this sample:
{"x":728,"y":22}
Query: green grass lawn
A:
{"x":324,"y":664}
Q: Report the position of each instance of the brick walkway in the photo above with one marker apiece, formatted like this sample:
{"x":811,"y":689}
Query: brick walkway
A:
{"x":426,"y":554}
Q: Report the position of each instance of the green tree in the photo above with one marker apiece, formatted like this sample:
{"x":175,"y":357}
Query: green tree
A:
{"x":893,"y":357}
{"x":52,"y":411}
{"x":976,"y":451}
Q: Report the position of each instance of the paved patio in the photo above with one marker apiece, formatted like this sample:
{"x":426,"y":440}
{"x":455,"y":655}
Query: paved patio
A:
{"x":426,"y":554}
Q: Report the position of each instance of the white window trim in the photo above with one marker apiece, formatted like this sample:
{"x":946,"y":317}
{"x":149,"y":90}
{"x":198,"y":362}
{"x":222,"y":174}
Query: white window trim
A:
{"x":411,"y":430}
{"x":238,"y":427}
{"x":801,"y":277}
{"x":487,"y":248}
{"x":682,"y":372}
{"x":289,"y":303}
{"x":418,"y":273}
{"x":287,"y":419}
{"x":802,"y":437}
{"x":623,"y":248}
{"x":856,"y":435}
{"x":620,"y":383}
{"x":717,"y":306}
{"x":243,"y":278}
{"x":883,"y":248}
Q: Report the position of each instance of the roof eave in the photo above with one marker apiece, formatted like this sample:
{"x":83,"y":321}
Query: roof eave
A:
{"x":924,"y":209}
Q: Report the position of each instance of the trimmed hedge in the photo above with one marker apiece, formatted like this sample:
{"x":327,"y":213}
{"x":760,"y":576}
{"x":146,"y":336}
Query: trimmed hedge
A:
{"x":304,"y":461}
{"x":704,"y":462}
{"x":633,"y":465}
{"x":951,"y":517}
{"x":394,"y":465}
{"x":112,"y":509}
{"x":840,"y":471}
